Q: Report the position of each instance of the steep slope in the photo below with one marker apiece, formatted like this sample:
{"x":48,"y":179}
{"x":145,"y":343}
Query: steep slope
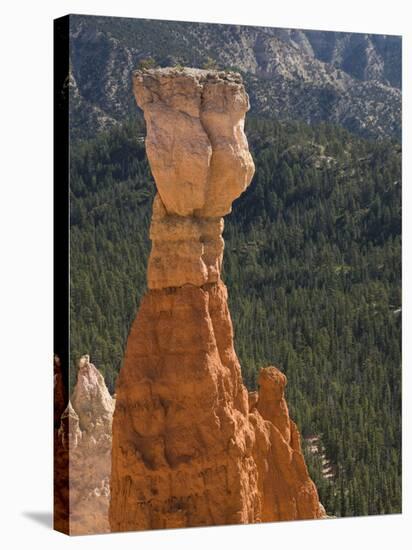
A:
{"x":187,"y":447}
{"x":313,"y":76}
{"x":363,"y":56}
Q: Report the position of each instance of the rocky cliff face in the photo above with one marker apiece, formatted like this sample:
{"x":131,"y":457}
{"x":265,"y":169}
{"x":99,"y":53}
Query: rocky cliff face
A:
{"x":190,"y":446}
{"x":83,"y":454}
{"x":345,"y":78}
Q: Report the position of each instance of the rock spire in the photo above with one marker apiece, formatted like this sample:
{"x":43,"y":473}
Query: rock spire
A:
{"x":83,"y":455}
{"x":190,"y":446}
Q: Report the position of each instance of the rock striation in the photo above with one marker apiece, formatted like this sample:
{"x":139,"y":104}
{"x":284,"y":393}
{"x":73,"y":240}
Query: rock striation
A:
{"x":190,"y":446}
{"x":200,"y":160}
{"x":84,"y":441}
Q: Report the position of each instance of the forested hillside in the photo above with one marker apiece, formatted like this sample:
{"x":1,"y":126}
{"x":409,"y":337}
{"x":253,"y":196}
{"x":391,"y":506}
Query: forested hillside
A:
{"x":312,"y":262}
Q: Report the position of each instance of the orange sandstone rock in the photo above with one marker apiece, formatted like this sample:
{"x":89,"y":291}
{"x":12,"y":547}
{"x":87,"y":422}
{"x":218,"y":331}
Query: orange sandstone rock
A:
{"x":271,"y":401}
{"x":288,"y":492}
{"x":186,"y":449}
{"x":182,"y":445}
{"x":199,"y":157}
{"x":195,"y":142}
{"x":190,"y":445}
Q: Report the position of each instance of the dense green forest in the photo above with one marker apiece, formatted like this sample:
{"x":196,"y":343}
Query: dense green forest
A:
{"x":313,"y":267}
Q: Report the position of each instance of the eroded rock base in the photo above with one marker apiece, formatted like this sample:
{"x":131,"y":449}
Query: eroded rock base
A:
{"x":187,"y":448}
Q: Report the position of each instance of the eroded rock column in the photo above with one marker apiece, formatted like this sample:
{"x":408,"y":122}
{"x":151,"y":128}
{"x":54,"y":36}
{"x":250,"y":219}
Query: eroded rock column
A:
{"x":200,"y":160}
{"x":83,"y":449}
{"x":188,"y":449}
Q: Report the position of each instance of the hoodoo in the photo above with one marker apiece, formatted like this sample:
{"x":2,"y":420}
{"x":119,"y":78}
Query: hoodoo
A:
{"x":190,"y":446}
{"x":82,"y":455}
